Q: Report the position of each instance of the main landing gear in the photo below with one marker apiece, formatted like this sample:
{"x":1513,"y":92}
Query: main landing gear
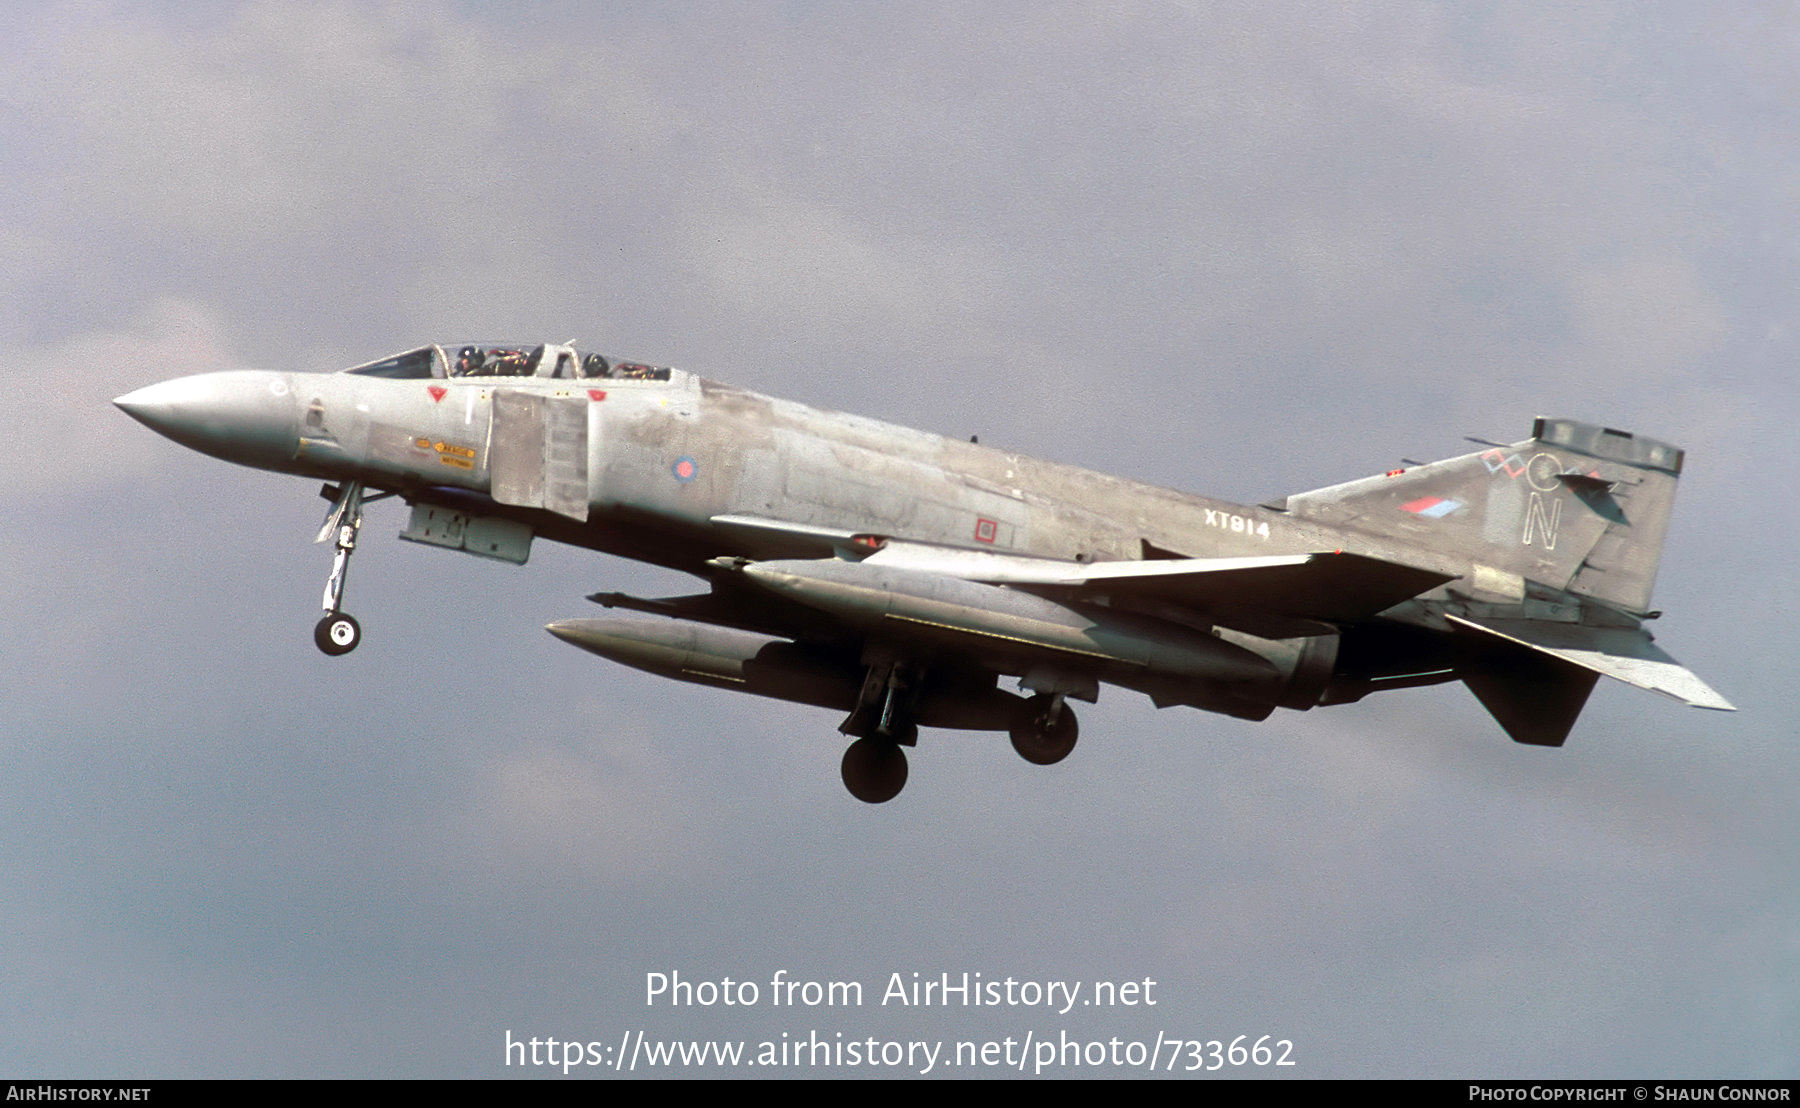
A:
{"x":1045,"y":731}
{"x":874,"y":770}
{"x":885,"y":719}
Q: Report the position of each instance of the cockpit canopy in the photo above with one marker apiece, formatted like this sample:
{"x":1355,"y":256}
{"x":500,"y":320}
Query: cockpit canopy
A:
{"x":507,"y":359}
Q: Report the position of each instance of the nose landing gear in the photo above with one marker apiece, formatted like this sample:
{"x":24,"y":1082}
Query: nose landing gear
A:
{"x":338,"y":633}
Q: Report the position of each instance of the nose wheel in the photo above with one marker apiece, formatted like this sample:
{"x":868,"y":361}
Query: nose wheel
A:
{"x":337,"y":633}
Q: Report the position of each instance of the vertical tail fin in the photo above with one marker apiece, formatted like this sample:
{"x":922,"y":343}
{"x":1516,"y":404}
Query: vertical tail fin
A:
{"x":1630,"y":482}
{"x":1576,"y":507}
{"x":1575,"y":513}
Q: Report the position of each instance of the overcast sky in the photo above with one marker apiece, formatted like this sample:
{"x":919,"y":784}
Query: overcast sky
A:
{"x":1239,"y":248}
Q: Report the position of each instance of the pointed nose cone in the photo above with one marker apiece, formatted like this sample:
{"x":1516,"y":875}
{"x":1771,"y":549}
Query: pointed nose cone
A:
{"x":248,"y":416}
{"x":569,"y":631}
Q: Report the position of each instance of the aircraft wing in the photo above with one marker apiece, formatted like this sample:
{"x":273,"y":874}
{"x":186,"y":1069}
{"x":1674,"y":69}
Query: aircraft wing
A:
{"x":1287,"y":594}
{"x":1276,"y":596}
{"x":775,"y":538}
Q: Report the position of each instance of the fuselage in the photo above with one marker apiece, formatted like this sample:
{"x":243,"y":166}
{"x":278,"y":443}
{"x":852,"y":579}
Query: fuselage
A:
{"x":659,"y":458}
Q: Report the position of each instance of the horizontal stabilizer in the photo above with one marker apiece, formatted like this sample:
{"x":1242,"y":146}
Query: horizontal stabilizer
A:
{"x":1625,"y":654}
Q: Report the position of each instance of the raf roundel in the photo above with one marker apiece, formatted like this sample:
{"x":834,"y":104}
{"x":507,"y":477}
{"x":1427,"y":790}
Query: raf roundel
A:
{"x":684,"y":469}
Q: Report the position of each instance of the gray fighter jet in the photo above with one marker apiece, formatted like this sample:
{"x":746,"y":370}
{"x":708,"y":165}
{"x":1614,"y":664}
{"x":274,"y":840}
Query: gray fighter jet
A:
{"x":896,"y":576}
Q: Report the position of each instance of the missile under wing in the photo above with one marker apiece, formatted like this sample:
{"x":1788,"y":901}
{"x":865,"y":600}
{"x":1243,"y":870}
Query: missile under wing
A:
{"x":903,"y":579}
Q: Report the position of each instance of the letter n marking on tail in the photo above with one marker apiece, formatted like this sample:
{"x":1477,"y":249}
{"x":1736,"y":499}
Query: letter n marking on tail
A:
{"x":1541,"y":524}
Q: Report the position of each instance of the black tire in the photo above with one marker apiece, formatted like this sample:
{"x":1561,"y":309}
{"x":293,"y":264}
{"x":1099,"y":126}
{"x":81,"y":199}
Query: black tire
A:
{"x":337,"y":634}
{"x":1039,"y":741}
{"x":874,"y":770}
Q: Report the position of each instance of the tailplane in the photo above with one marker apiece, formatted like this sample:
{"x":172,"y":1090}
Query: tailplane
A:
{"x":1562,"y":534}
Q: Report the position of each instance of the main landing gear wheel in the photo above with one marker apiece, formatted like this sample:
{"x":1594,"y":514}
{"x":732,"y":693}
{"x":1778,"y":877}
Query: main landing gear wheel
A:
{"x":1045,"y":731}
{"x":337,"y":633}
{"x":874,"y":770}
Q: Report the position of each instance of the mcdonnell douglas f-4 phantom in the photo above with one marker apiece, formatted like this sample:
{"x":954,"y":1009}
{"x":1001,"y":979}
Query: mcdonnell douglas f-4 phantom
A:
{"x":896,"y":576}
